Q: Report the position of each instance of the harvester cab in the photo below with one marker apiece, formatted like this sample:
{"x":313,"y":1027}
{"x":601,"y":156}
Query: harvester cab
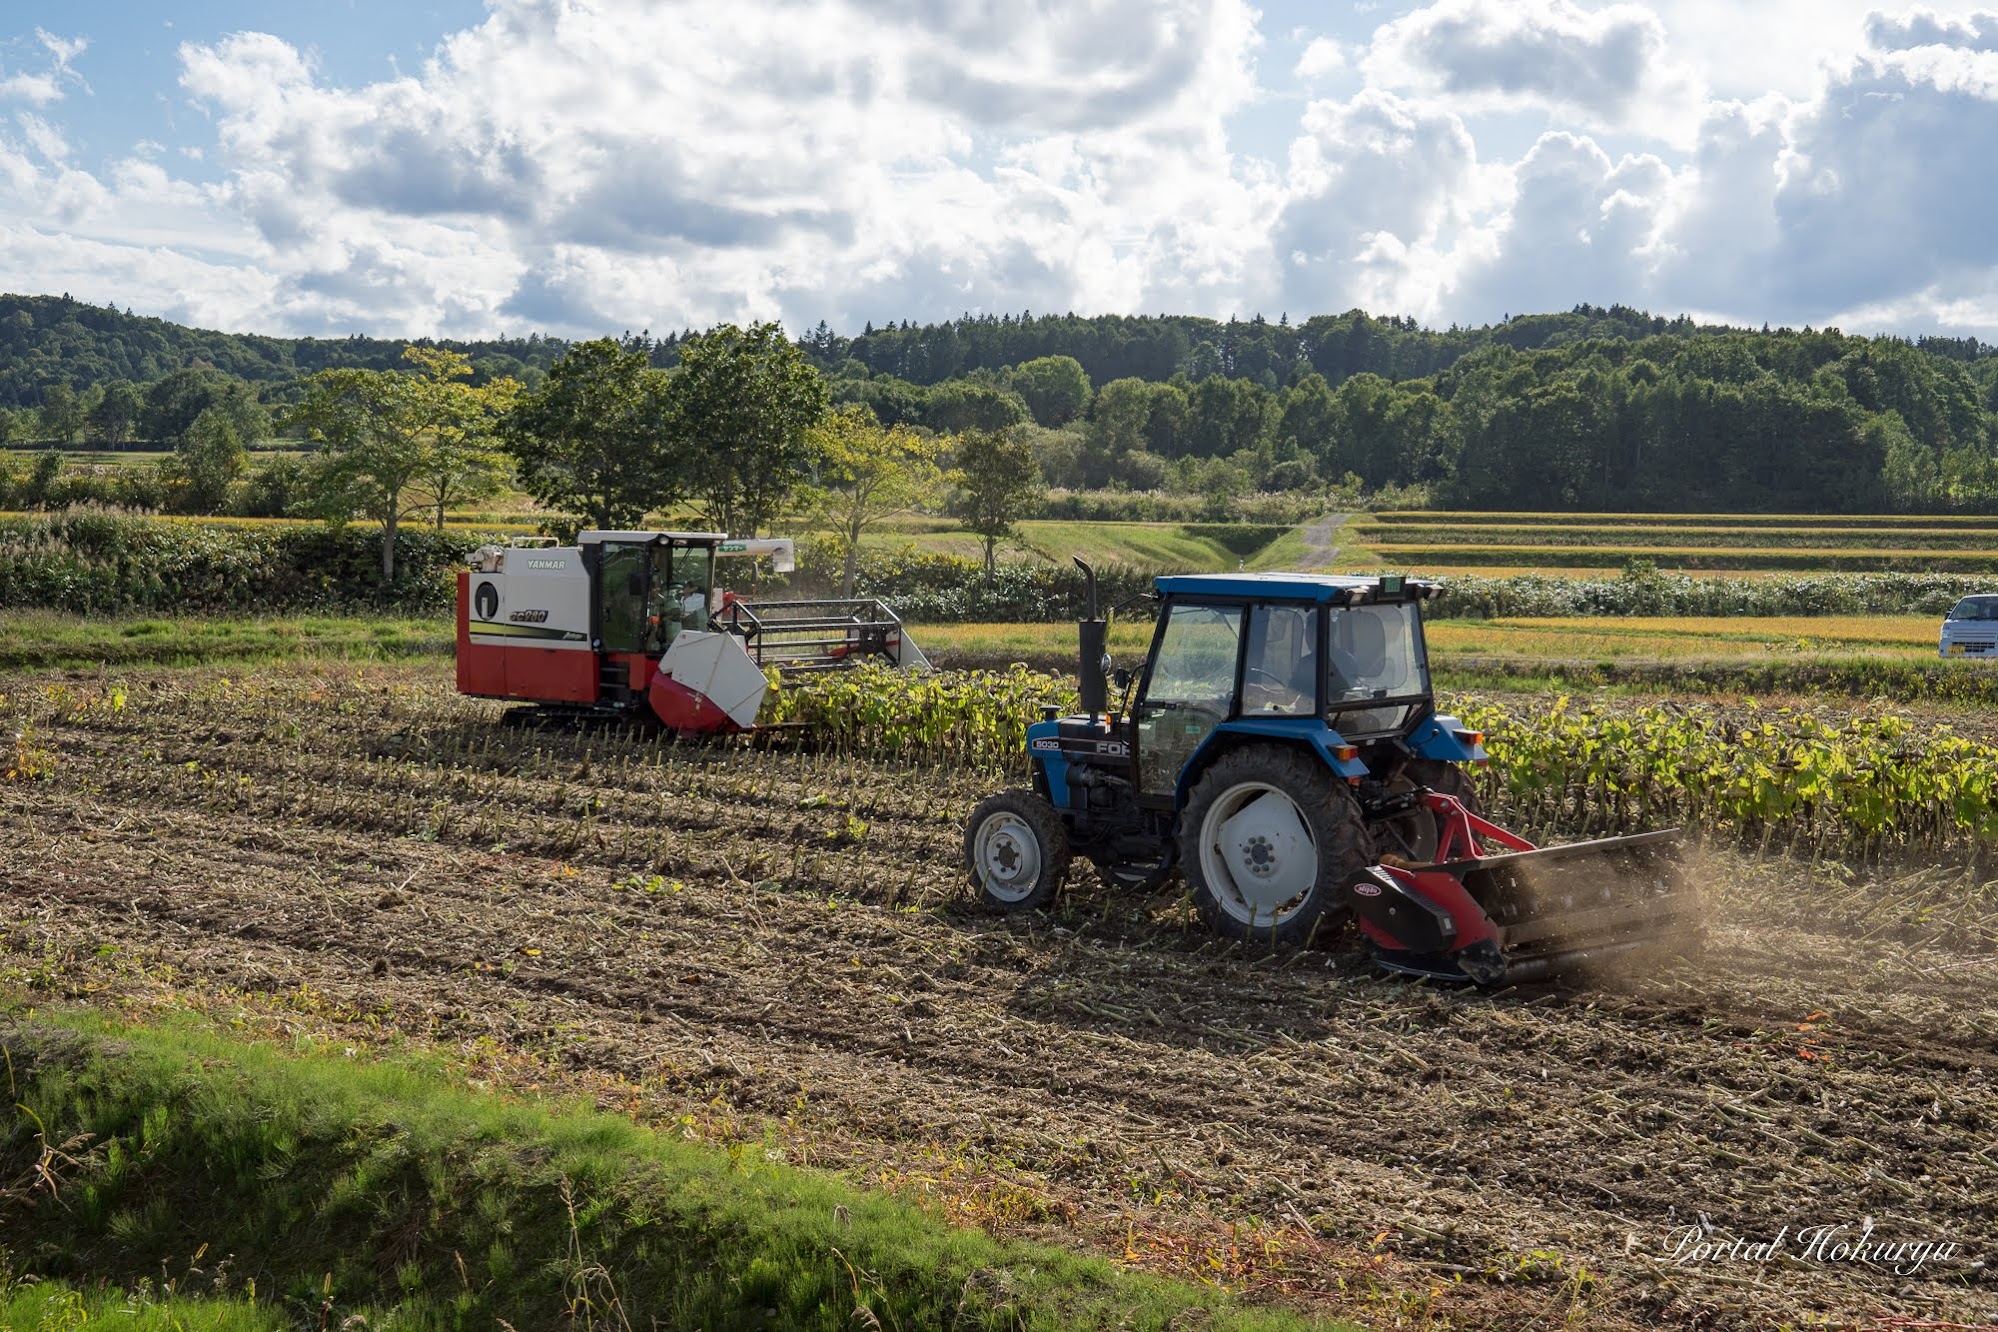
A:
{"x":1283,"y":751}
{"x":631,"y":625}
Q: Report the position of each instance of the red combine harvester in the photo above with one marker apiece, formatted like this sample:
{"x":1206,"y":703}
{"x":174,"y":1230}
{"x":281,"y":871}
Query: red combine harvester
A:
{"x":627,"y":625}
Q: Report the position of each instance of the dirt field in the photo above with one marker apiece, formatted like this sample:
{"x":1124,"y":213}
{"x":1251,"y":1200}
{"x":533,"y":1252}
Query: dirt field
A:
{"x":772,"y":950}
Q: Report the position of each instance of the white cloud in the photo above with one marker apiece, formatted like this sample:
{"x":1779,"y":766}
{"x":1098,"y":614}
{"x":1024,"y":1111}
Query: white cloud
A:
{"x":675,"y":163}
{"x":581,"y":167}
{"x":1577,"y":228}
{"x":1324,"y":56}
{"x":1379,"y":190}
{"x":40,"y":89}
{"x":1609,"y":68}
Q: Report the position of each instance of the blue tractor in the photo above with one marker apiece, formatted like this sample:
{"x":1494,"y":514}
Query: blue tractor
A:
{"x":1283,"y":752}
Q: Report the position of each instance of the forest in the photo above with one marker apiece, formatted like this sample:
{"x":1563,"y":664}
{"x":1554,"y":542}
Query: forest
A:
{"x":1598,"y":408}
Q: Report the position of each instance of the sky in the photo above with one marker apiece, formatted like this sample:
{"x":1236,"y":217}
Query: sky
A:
{"x":458,"y":168}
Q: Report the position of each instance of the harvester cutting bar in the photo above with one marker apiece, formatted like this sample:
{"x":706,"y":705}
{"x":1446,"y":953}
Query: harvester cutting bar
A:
{"x":1529,"y":912}
{"x":801,"y":636}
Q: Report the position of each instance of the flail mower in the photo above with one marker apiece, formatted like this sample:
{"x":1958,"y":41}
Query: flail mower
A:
{"x":626,"y":625}
{"x":1284,"y":752}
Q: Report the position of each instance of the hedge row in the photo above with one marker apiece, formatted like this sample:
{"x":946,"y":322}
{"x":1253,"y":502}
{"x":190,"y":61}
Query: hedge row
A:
{"x":93,"y":563}
{"x":1471,"y":597}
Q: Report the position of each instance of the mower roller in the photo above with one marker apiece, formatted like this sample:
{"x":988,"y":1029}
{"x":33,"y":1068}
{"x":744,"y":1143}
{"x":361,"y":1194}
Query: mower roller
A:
{"x":1283,"y":751}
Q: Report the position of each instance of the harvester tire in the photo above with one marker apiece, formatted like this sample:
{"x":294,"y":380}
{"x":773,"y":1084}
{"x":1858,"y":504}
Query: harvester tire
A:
{"x":1238,"y":845}
{"x":1016,"y":851}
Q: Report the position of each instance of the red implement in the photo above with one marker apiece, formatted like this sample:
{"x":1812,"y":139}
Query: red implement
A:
{"x":1524,"y":913}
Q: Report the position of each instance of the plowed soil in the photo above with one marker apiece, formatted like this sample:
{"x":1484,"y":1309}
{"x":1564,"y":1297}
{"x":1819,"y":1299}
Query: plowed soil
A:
{"x":774,"y":950}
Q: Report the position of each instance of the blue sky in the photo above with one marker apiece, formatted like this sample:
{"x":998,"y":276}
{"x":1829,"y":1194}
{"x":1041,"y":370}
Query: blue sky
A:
{"x":468,"y":168}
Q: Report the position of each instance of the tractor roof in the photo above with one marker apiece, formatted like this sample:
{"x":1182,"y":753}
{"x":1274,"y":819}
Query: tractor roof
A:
{"x":1289,"y":586}
{"x":592,"y":537}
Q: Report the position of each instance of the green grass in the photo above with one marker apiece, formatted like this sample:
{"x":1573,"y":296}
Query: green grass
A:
{"x":1177,"y":547}
{"x":1045,"y":647}
{"x":45,"y":1306}
{"x":48,"y":640}
{"x":1288,"y":551}
{"x":348,"y":1184}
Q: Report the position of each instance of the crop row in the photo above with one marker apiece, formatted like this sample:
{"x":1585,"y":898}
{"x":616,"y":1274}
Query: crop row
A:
{"x":1696,"y":557}
{"x":1982,"y":538}
{"x":1920,"y":522}
{"x":1866,"y":784}
{"x":1869,"y":783}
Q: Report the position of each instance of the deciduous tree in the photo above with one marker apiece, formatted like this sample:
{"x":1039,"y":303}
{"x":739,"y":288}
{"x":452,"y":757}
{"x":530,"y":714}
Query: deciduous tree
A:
{"x":593,"y":439}
{"x":998,"y":483}
{"x":869,"y":472}
{"x":385,"y":431}
{"x":742,"y":406}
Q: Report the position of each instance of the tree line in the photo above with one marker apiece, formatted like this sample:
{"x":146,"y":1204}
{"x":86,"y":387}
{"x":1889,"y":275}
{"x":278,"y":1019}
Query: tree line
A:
{"x":1594,"y":408}
{"x":741,"y":430}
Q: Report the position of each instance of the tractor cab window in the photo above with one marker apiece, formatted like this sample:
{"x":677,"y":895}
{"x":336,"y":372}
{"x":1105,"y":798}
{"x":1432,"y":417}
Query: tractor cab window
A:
{"x":1191,"y":690}
{"x":1280,"y":675}
{"x":621,"y":568}
{"x":1375,"y":652}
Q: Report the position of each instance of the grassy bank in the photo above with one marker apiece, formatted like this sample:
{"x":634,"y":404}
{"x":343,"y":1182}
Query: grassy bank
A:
{"x":344,"y":1185}
{"x":46,"y":1306}
{"x":51,"y":640}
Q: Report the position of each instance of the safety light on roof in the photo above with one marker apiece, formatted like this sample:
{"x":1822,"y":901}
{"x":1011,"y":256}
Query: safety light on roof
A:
{"x":1390,"y":585}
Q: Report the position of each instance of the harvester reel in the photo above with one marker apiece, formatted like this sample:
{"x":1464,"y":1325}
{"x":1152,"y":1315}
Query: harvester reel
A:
{"x":1268,"y":844}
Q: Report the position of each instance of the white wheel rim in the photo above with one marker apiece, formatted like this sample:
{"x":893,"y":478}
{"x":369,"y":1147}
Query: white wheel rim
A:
{"x":1257,"y":855}
{"x":1008,"y":856}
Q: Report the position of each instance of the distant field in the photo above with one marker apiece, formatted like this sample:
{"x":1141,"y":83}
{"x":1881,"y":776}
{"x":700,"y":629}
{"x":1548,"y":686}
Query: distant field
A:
{"x":1610,"y":639}
{"x":1177,"y":547}
{"x":1649,"y":638}
{"x":1600,"y":545}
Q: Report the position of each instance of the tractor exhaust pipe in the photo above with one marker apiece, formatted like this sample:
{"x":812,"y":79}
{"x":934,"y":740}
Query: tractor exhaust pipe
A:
{"x":1093,"y":660}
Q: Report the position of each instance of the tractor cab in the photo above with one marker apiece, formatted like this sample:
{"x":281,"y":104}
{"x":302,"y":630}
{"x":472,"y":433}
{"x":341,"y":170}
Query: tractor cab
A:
{"x":1325,"y":659}
{"x":1283,"y":751}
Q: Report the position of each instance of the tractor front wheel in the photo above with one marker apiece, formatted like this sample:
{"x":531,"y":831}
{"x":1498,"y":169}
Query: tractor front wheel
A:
{"x":1016,"y":851}
{"x":1269,"y":842}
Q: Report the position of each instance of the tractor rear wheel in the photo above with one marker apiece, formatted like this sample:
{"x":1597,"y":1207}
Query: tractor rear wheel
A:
{"x":1269,"y":842}
{"x":1016,"y":851}
{"x":1414,"y":836}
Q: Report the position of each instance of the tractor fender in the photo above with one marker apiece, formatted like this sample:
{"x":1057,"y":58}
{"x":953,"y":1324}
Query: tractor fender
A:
{"x":1050,"y":765}
{"x":1447,"y":740}
{"x":1307,"y":731}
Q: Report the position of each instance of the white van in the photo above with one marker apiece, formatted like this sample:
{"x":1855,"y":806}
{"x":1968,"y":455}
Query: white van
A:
{"x":1970,"y":629}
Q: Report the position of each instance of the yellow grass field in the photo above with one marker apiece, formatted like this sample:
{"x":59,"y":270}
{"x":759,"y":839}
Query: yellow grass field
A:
{"x":1641,"y":638}
{"x":1609,"y":638}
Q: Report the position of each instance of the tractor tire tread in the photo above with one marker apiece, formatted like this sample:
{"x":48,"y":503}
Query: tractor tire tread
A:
{"x":1345,"y":850}
{"x":1048,"y":830}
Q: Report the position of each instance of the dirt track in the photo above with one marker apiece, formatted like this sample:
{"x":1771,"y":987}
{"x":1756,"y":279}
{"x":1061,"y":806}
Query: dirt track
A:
{"x":771,"y":948}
